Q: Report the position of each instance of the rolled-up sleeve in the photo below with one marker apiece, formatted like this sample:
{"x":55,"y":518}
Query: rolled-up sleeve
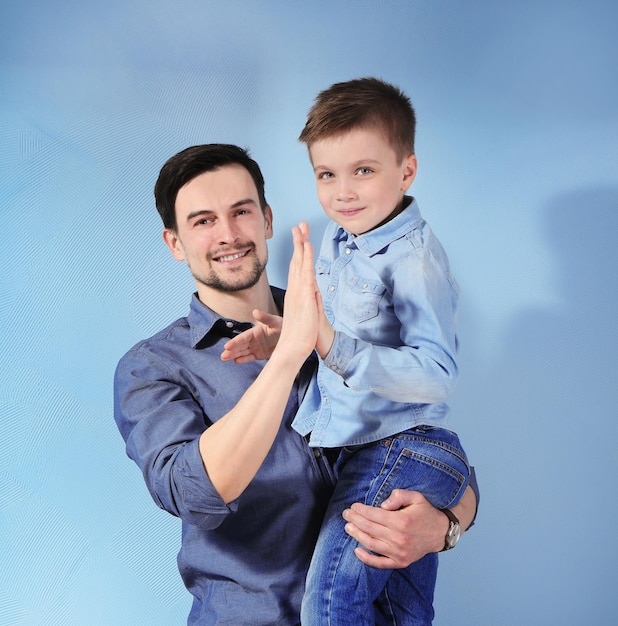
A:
{"x":161,"y":422}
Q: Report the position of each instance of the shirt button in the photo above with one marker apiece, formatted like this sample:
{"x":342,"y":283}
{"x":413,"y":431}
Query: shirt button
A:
{"x":331,"y":288}
{"x":348,"y":251}
{"x":316,"y":453}
{"x":229,"y":324}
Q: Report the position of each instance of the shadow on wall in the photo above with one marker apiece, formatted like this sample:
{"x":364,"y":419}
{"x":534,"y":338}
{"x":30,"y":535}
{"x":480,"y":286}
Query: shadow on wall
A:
{"x":549,"y":433}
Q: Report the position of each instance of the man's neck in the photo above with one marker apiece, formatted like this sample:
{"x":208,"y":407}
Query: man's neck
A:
{"x":239,"y":305}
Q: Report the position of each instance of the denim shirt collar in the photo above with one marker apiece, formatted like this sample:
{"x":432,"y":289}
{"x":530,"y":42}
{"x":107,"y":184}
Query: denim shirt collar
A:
{"x":204,"y":322}
{"x":372,"y":242}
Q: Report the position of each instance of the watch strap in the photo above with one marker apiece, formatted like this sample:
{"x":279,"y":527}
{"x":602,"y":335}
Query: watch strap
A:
{"x":453,"y":521}
{"x":452,"y":517}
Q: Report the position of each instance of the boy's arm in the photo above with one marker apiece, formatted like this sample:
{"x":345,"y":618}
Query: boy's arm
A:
{"x":418,"y":365}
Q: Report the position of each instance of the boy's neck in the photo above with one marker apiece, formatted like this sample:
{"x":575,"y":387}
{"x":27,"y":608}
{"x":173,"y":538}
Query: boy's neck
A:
{"x":401,"y":206}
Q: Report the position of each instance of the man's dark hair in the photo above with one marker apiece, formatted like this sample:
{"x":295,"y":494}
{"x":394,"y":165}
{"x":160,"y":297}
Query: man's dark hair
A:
{"x":368,"y":103}
{"x":191,"y":162}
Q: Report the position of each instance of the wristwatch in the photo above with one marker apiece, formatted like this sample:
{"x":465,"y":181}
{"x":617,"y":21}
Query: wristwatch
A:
{"x":454,"y":530}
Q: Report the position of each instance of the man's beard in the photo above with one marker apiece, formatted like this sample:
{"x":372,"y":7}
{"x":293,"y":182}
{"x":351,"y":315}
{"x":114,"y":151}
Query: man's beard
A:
{"x":228,"y":284}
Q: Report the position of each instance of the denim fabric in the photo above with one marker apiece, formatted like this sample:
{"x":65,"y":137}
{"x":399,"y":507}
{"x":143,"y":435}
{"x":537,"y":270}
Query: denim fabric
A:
{"x":247,"y":560}
{"x":391,"y":299}
{"x":340,"y":588}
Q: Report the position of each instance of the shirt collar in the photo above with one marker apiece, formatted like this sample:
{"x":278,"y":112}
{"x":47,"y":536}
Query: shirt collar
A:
{"x":206,"y":326}
{"x":375,"y":240}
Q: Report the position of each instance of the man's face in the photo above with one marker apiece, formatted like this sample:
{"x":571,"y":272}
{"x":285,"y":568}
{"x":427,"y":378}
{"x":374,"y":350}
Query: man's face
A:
{"x":221,"y":230}
{"x":360,"y":181}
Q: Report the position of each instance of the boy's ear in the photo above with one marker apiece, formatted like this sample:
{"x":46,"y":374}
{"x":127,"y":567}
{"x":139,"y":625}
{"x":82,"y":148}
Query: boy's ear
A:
{"x":173,"y":243}
{"x":409,"y":167}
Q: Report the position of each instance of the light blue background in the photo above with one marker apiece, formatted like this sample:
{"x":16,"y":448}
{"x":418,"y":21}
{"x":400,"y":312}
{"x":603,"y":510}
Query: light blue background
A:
{"x":518,"y":149}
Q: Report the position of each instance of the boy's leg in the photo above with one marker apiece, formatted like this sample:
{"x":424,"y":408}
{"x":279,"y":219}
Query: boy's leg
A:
{"x":339,"y":586}
{"x":341,"y":589}
{"x":429,"y":460}
{"x":407,"y":597}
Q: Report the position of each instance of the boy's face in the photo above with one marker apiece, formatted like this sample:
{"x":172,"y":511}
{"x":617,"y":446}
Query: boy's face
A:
{"x":359,"y":179}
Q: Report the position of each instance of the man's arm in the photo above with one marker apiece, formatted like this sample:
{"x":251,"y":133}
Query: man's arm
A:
{"x":235,"y":446}
{"x":163,"y":423}
{"x":404,"y":529}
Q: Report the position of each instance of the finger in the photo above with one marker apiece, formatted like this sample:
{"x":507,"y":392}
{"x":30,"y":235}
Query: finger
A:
{"x":235,"y":349}
{"x":375,"y":560}
{"x":297,"y":253}
{"x":241,"y":360}
{"x":239,"y":342}
{"x":364,"y":530}
{"x":308,"y":259}
{"x":401,"y":497}
{"x":231,"y":355}
{"x":363,"y":514}
{"x":370,"y":547}
{"x":377,"y":549}
{"x":271,"y":321}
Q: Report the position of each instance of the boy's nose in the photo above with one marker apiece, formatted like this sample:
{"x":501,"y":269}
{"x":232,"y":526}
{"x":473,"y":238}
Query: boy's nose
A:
{"x":345,"y":191}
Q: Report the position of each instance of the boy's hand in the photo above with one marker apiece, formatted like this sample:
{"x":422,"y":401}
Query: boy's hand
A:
{"x":255,"y":343}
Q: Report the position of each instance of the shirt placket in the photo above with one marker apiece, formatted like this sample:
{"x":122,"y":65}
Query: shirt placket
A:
{"x":345,"y":249}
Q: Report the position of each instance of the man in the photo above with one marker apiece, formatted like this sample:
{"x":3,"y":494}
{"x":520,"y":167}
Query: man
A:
{"x":213,"y":438}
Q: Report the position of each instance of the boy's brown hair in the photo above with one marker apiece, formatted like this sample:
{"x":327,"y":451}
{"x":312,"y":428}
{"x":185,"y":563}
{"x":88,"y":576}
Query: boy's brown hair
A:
{"x":363,"y":103}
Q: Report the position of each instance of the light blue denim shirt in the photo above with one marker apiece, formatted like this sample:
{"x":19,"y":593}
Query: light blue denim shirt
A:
{"x":391,"y":299}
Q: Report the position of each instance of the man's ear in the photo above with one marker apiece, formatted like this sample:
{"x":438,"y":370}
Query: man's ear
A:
{"x":173,"y":243}
{"x":268,"y":222}
{"x":408,"y":168}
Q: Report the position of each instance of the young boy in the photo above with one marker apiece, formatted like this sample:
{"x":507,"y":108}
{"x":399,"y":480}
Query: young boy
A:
{"x":387,"y":345}
{"x":387,"y":351}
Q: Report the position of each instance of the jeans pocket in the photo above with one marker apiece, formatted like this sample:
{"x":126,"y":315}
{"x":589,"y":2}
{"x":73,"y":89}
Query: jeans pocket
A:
{"x":439,"y":474}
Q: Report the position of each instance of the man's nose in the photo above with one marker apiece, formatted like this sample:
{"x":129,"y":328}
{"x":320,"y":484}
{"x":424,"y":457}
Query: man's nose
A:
{"x":227,"y":232}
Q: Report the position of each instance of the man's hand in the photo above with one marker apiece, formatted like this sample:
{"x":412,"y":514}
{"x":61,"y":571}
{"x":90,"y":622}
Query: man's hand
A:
{"x":403,"y":530}
{"x":257,"y":342}
{"x":300,"y":311}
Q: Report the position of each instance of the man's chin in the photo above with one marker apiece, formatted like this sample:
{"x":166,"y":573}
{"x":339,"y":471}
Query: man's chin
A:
{"x":230,"y":284}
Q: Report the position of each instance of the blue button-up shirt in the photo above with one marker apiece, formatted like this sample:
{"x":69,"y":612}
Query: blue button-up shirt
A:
{"x":391,"y":299}
{"x":244,"y":562}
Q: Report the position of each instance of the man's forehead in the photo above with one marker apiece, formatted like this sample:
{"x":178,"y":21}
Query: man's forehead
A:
{"x":221,"y":188}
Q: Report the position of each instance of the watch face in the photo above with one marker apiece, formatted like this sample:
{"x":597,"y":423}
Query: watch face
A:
{"x":452,"y":537}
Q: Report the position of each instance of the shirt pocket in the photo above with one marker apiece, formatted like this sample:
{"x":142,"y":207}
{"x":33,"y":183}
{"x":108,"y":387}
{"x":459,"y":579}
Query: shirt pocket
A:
{"x":322,"y":271}
{"x":365,"y":298}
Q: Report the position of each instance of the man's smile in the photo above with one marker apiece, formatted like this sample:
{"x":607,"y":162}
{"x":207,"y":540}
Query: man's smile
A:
{"x":230,"y":257}
{"x":238,"y":251}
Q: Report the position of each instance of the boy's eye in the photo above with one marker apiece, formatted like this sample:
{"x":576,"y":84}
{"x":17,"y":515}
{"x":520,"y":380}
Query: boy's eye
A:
{"x":325,"y":175}
{"x":363,"y":171}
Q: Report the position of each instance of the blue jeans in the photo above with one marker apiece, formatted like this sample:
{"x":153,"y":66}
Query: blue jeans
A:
{"x":340,"y":588}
